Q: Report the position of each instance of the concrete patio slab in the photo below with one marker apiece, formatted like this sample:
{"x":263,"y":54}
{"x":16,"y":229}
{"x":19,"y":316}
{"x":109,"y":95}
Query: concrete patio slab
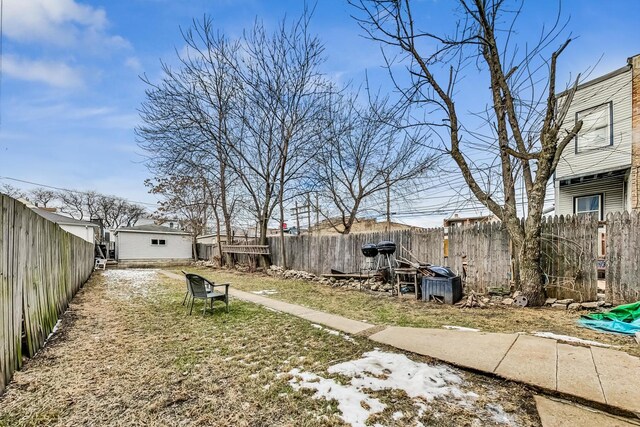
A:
{"x":577,"y":374}
{"x":619,"y":375}
{"x":338,"y":323}
{"x":476,"y":350}
{"x":554,"y":413}
{"x":296,"y":310}
{"x":531,"y":360}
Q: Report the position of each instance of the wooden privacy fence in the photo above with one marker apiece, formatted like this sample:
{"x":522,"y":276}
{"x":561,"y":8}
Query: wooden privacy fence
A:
{"x":482,"y":251}
{"x":569,"y":257}
{"x":320,"y":254}
{"x":41,"y":268}
{"x":623,"y":258}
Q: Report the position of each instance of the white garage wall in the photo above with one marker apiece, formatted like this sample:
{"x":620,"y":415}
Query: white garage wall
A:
{"x":85,"y":232}
{"x":137,"y":246}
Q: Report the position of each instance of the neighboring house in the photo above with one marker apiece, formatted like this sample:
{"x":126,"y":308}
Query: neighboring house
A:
{"x":149,"y":243}
{"x":83,"y":229}
{"x":458,"y":221}
{"x":360,"y":225}
{"x":598,"y":170}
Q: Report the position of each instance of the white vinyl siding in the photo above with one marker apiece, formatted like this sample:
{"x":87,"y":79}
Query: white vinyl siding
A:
{"x":613,"y":93}
{"x":139,"y":246}
{"x":611,"y":189}
{"x":596,"y":129}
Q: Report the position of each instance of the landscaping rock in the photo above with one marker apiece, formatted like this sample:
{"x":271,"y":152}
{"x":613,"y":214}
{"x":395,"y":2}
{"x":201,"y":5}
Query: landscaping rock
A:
{"x":564,"y":301}
{"x":507,"y":301}
{"x":550,"y":301}
{"x":590,"y":305}
{"x":559,"y":306}
{"x":574,"y":306}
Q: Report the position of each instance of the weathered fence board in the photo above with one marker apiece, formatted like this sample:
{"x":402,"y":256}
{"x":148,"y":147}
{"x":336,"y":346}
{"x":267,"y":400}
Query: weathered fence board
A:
{"x":569,"y":257}
{"x":41,"y":268}
{"x":623,"y":258}
{"x":482,"y":250}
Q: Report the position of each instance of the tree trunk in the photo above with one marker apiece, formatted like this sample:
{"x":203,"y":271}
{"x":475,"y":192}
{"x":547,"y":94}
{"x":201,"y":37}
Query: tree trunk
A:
{"x":283,"y":251}
{"x":529,"y":257}
{"x":218,"y":241}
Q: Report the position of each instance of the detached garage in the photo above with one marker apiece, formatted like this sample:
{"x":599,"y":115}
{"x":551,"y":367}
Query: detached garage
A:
{"x":152,"y":244}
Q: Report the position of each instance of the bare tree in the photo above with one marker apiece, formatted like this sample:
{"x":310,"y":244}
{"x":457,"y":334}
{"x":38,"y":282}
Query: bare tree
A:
{"x":188,"y":117}
{"x":248,"y":109}
{"x":12,"y":191}
{"x":113,"y":211}
{"x":282,"y":114}
{"x":523,"y":121}
{"x":367,"y":151}
{"x":42,"y":196}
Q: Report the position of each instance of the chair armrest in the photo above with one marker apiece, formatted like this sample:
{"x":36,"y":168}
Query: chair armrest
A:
{"x":222,"y":284}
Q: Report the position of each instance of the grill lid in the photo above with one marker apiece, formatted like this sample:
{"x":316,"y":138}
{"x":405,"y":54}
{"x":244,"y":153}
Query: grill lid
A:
{"x":386,"y":247}
{"x":369,"y":250}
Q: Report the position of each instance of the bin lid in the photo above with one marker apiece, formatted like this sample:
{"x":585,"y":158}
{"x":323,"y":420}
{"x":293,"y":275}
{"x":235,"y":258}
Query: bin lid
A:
{"x":441,"y":271}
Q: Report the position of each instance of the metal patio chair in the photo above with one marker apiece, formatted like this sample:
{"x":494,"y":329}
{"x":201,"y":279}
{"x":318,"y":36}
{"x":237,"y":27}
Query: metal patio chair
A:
{"x":201,"y":288}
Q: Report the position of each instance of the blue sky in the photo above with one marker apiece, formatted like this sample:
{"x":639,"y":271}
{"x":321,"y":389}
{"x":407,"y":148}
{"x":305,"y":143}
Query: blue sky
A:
{"x":70,"y":87}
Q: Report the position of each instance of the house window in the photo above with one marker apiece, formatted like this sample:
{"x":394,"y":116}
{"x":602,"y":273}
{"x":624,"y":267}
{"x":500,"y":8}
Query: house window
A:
{"x":585,"y":205}
{"x":158,"y":242}
{"x":597,"y":129}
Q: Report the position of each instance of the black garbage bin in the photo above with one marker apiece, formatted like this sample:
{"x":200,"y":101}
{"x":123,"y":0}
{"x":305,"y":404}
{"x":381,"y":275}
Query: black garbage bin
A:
{"x":445,"y":284}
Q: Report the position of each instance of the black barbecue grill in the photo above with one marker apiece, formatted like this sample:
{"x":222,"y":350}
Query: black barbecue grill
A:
{"x":369,"y":250}
{"x":386,"y":248}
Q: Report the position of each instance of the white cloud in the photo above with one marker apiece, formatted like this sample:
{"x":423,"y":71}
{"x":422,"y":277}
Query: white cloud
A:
{"x":52,"y":73}
{"x":58,"y":22}
{"x":133,"y":63}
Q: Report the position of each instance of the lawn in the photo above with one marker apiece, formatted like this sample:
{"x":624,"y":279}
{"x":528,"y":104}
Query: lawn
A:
{"x":382,"y":309}
{"x":127,"y":353}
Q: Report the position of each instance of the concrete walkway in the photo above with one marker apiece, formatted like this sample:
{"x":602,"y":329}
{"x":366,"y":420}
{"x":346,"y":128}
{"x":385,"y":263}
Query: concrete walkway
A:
{"x":606,"y":377}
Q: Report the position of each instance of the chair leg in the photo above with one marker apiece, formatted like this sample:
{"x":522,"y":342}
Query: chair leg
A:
{"x":226,"y":301}
{"x":191,"y":309}
{"x":185,"y":298}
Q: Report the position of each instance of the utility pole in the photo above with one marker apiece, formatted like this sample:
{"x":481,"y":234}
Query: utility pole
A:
{"x":317,"y":211}
{"x":388,"y":208}
{"x":297,"y":217}
{"x":308,"y":212}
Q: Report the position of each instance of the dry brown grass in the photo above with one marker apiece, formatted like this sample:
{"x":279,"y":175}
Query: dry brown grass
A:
{"x":386,"y":310}
{"x":130,"y":355}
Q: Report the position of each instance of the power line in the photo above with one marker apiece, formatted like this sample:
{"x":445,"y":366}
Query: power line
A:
{"x":69,"y":190}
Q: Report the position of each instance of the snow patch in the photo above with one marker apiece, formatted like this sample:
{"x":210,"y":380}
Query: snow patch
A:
{"x":333,"y":332}
{"x":568,"y":338}
{"x":265,"y":292}
{"x":129,"y":283}
{"x":499,"y":416}
{"x":461,"y":328}
{"x":54,"y":330}
{"x":397,"y":415}
{"x":378,"y":370}
{"x":350,"y":399}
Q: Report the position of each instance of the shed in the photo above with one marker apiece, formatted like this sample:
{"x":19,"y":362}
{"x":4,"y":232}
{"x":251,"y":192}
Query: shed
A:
{"x":152,"y":243}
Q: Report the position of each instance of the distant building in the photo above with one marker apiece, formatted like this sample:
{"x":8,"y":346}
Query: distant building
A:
{"x":152,"y":243}
{"x":459,"y":221}
{"x":83,"y":229}
{"x":361,"y":225}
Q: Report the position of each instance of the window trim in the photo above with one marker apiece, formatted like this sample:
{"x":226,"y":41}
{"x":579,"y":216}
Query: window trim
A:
{"x":600,"y":200}
{"x":157,"y":242}
{"x":610,"y":104}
